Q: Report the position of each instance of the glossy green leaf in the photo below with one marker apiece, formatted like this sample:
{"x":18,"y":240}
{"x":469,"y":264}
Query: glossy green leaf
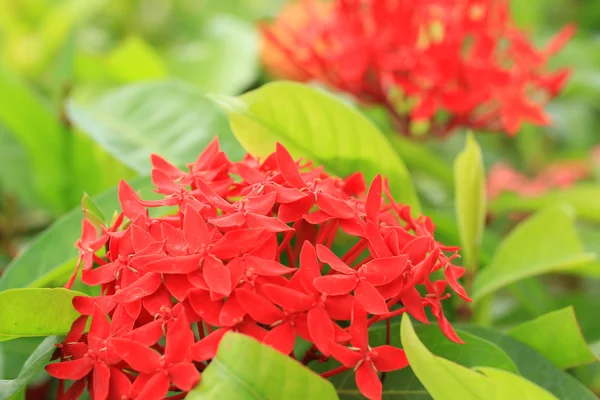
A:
{"x":534,"y":367}
{"x":475,"y":352}
{"x":546,"y":242}
{"x":24,"y":116}
{"x":581,"y":197}
{"x":443,"y":379}
{"x":36,"y":361}
{"x":36,"y":312}
{"x":557,"y":337}
{"x":316,"y":125}
{"x":246,"y":369}
{"x":135,"y":60}
{"x":221,"y":58}
{"x":50,"y":258}
{"x":469,"y":186}
{"x":511,"y":386}
{"x":171,"y":119}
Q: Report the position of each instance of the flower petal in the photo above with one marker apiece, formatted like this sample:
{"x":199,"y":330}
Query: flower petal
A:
{"x":347,"y":357}
{"x":369,"y":297}
{"x":100,"y":381}
{"x":282,"y":338}
{"x":359,"y":330}
{"x":382,"y":271}
{"x":288,"y":299}
{"x":72,"y":370}
{"x":138,"y":356}
{"x":217,"y":276}
{"x":144,"y":286}
{"x":206,"y":348}
{"x":259,"y":308}
{"x":184,"y":375}
{"x":411,"y":299}
{"x":334,"y":285}
{"x":388,"y":358}
{"x":368,"y":381}
{"x":267,"y":267}
{"x":321,"y":329}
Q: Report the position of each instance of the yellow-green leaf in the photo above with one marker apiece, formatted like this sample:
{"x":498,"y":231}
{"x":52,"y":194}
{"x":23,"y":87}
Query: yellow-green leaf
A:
{"x":557,"y":336}
{"x":511,"y":386}
{"x":469,"y":183}
{"x":443,"y":379}
{"x":316,"y":125}
{"x":545,"y":242}
{"x":245,"y":369}
{"x":36,"y":312}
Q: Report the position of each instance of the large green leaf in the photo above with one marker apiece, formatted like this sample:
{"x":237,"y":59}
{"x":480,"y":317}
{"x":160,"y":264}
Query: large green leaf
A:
{"x":557,"y":337}
{"x":469,"y":184}
{"x":171,"y":118}
{"x":31,"y":122}
{"x":511,"y":386}
{"x":314,"y":124}
{"x":581,"y":197}
{"x":50,"y":258}
{"x":546,"y":242}
{"x":446,"y":380}
{"x":221,"y":58}
{"x":36,"y":312}
{"x":403,"y":384}
{"x":246,"y":369}
{"x":443,"y":379}
{"x":35,"y":362}
{"x":534,"y":367}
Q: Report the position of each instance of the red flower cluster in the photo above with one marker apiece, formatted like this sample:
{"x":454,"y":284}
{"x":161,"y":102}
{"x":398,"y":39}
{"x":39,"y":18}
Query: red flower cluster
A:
{"x":452,"y":63}
{"x":504,"y":178}
{"x":247,"y":247}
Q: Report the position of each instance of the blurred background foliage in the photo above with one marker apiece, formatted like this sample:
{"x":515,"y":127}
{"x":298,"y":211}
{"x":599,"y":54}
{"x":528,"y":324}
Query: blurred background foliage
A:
{"x":65,"y":118}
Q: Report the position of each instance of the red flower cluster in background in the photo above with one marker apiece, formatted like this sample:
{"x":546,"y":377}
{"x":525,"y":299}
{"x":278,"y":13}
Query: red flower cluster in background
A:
{"x":504,"y":178}
{"x":452,"y":63}
{"x":248,"y":247}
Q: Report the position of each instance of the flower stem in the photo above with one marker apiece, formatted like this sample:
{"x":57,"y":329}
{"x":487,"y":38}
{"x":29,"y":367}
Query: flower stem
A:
{"x":333,"y":372}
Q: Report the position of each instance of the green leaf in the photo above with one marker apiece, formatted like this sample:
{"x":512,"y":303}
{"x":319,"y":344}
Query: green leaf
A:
{"x":91,"y":211}
{"x":469,"y":183}
{"x":557,"y":337}
{"x":546,"y":242}
{"x":475,"y":352}
{"x":171,"y":119}
{"x":511,"y":386}
{"x":36,"y":312}
{"x":34,"y":363}
{"x":534,"y":367}
{"x":314,"y":124}
{"x":221,"y":58}
{"x":443,"y":379}
{"x":51,"y":256}
{"x":247,"y":369}
{"x":135,"y":60}
{"x":31,"y":122}
{"x":581,"y":197}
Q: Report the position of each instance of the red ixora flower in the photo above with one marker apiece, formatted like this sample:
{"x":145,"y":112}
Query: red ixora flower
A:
{"x":454,"y":63}
{"x":248,"y":247}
